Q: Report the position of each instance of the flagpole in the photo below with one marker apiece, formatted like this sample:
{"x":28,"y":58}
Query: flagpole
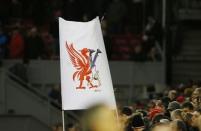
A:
{"x":63,"y":120}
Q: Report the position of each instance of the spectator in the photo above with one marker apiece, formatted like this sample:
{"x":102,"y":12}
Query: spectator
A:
{"x":138,"y":54}
{"x":176,"y":114}
{"x":187,"y":107}
{"x":154,"y":55}
{"x":178,"y":125}
{"x":172,"y":94}
{"x":188,"y":93}
{"x":153,"y":112}
{"x":166,"y":101}
{"x":34,"y":47}
{"x":16,"y":45}
{"x":180,"y":99}
{"x":152,"y":34}
{"x":160,"y":118}
{"x":126,"y":111}
{"x":196,"y":98}
{"x":137,"y":123}
{"x":99,"y":118}
{"x":126,"y":114}
{"x":187,"y":118}
{"x":49,"y":45}
{"x":162,"y":127}
{"x":199,"y":123}
{"x":55,"y":94}
{"x":173,"y":106}
{"x":196,"y":119}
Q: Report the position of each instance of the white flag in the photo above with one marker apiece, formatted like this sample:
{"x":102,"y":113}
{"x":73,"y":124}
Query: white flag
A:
{"x":85,"y":74}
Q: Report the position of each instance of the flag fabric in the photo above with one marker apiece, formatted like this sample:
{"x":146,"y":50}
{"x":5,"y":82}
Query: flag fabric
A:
{"x":85,"y":74}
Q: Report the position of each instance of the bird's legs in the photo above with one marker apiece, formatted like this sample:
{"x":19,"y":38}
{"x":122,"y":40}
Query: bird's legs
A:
{"x":91,"y":85}
{"x":80,"y":87}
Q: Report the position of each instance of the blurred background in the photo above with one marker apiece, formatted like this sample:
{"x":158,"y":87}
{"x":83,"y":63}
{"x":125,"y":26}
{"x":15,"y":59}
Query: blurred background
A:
{"x":152,"y":46}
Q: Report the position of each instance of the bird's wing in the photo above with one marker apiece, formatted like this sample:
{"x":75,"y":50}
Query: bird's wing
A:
{"x":76,"y":58}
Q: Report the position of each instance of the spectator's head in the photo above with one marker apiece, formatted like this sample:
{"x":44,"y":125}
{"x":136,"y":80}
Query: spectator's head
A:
{"x":198,"y":111}
{"x":138,"y":49}
{"x":137,"y":122}
{"x":196,"y":122}
{"x":127,"y":111}
{"x":199,"y":123}
{"x":180,"y":99}
{"x":188,"y":92}
{"x":166,"y":101}
{"x":187,"y":107}
{"x":197,"y":91}
{"x":160,"y":104}
{"x":99,"y":118}
{"x":33,"y":31}
{"x":162,"y":127}
{"x":143,"y":112}
{"x":172,"y":94}
{"x":178,"y":125}
{"x":173,"y":106}
{"x":195,"y":118}
{"x":152,"y":53}
{"x":176,"y":114}
{"x":187,"y":118}
{"x":160,"y":118}
{"x":152,"y":104}
{"x":196,"y":97}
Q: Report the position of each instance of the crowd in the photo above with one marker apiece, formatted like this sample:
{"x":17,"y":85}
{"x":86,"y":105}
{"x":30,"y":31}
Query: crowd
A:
{"x":177,"y":110}
{"x":29,"y":29}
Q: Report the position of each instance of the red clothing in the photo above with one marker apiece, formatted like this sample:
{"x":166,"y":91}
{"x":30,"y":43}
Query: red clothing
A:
{"x":180,"y":99}
{"x":153,"y":112}
{"x":16,"y":46}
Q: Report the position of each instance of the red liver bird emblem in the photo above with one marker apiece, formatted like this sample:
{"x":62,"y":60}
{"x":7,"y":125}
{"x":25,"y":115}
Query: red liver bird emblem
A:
{"x":84,"y":63}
